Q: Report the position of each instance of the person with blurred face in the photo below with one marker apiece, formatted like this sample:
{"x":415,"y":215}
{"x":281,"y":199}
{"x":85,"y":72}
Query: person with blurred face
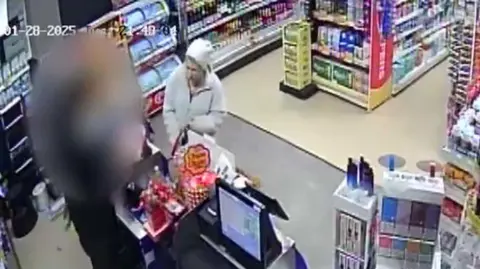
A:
{"x":194,"y":96}
{"x":87,"y":132}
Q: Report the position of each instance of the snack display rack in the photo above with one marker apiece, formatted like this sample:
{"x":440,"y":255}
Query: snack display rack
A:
{"x":144,"y":28}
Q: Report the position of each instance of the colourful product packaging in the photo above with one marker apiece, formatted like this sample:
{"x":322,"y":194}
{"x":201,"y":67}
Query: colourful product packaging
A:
{"x":350,"y":49}
{"x":342,"y":44}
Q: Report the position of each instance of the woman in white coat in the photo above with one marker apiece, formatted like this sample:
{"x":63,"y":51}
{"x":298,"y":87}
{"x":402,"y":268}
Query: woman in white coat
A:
{"x":194,"y":97}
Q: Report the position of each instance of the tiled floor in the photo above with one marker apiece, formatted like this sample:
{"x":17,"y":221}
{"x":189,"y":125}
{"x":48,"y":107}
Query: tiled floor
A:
{"x":411,"y":125}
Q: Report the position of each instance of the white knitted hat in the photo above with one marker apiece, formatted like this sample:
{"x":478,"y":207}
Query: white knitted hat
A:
{"x":201,"y":51}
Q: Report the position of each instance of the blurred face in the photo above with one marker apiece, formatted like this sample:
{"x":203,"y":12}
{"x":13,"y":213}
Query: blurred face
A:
{"x":195,"y":73}
{"x":104,"y":124}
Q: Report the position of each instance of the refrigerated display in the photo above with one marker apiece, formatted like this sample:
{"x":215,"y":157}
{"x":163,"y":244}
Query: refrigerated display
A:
{"x":145,"y":29}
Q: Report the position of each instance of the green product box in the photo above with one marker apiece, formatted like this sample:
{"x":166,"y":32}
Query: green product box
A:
{"x":322,"y":68}
{"x":342,"y":76}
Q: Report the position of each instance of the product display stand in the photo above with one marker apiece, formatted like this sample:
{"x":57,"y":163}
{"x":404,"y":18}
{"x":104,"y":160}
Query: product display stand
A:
{"x":460,"y":178}
{"x":144,"y":29}
{"x":354,"y":221}
{"x":297,"y":60}
{"x":365,"y":51}
{"x":352,"y":56}
{"x":242,"y":31}
{"x":409,"y":208}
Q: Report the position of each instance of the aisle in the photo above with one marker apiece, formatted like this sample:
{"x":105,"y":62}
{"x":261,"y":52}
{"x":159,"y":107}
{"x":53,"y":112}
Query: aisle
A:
{"x":301,"y":182}
{"x":411,"y":125}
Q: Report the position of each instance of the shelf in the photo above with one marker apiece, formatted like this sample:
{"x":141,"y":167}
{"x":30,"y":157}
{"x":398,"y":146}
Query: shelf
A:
{"x":226,"y":19}
{"x":363,"y":67}
{"x":408,"y":17}
{"x":388,"y":263}
{"x":418,"y":71}
{"x":436,"y":28}
{"x":166,"y":45}
{"x":163,"y":84}
{"x":434,"y":36}
{"x":455,"y":193}
{"x":13,"y":78}
{"x":13,"y":102}
{"x":407,"y":33}
{"x":400,"y":53}
{"x":230,"y":54}
{"x":158,"y":17}
{"x":330,"y":19}
{"x":461,"y":161}
{"x":351,"y":95}
{"x":399,"y":2}
{"x":449,"y":225}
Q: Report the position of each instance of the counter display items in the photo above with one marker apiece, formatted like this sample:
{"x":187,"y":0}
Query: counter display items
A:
{"x":409,"y":213}
{"x":193,"y":184}
{"x":394,"y":225}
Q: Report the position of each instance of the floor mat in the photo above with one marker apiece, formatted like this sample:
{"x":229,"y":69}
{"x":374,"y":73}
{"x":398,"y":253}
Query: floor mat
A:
{"x":303,"y":183}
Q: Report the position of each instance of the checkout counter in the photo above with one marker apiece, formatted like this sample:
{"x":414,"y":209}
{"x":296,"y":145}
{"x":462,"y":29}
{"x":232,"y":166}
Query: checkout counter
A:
{"x":233,"y":229}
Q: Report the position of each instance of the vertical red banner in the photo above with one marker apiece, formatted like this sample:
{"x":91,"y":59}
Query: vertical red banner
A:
{"x":381,"y":45}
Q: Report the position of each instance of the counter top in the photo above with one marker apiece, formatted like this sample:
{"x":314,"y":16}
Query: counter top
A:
{"x":133,"y":225}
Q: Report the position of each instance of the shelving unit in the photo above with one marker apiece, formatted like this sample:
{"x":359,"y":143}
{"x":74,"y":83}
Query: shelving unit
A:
{"x":151,"y":41}
{"x":420,"y":39}
{"x":16,"y":162}
{"x":240,"y":30}
{"x":351,"y":57}
{"x":460,"y":176}
{"x":365,"y":52}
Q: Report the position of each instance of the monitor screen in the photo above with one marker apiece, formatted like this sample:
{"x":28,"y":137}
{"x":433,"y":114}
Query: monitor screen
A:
{"x":240,"y":222}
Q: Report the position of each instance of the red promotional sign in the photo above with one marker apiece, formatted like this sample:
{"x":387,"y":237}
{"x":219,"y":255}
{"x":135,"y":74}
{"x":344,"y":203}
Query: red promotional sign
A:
{"x":381,"y":47}
{"x":154,"y":101}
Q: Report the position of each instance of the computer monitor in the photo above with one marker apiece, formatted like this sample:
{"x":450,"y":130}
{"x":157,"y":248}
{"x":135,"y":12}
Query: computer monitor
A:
{"x":272,"y":205}
{"x":246,"y":230}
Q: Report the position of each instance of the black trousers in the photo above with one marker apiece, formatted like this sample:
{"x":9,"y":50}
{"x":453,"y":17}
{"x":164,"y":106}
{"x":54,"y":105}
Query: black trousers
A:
{"x":97,"y":228}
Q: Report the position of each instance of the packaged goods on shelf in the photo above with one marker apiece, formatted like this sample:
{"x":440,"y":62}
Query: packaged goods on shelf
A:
{"x":409,"y":208}
{"x":420,"y":39}
{"x":465,"y":250}
{"x":345,"y":44}
{"x":237,"y":27}
{"x":350,"y":81}
{"x":406,"y":40}
{"x":152,"y":81}
{"x":296,"y":55}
